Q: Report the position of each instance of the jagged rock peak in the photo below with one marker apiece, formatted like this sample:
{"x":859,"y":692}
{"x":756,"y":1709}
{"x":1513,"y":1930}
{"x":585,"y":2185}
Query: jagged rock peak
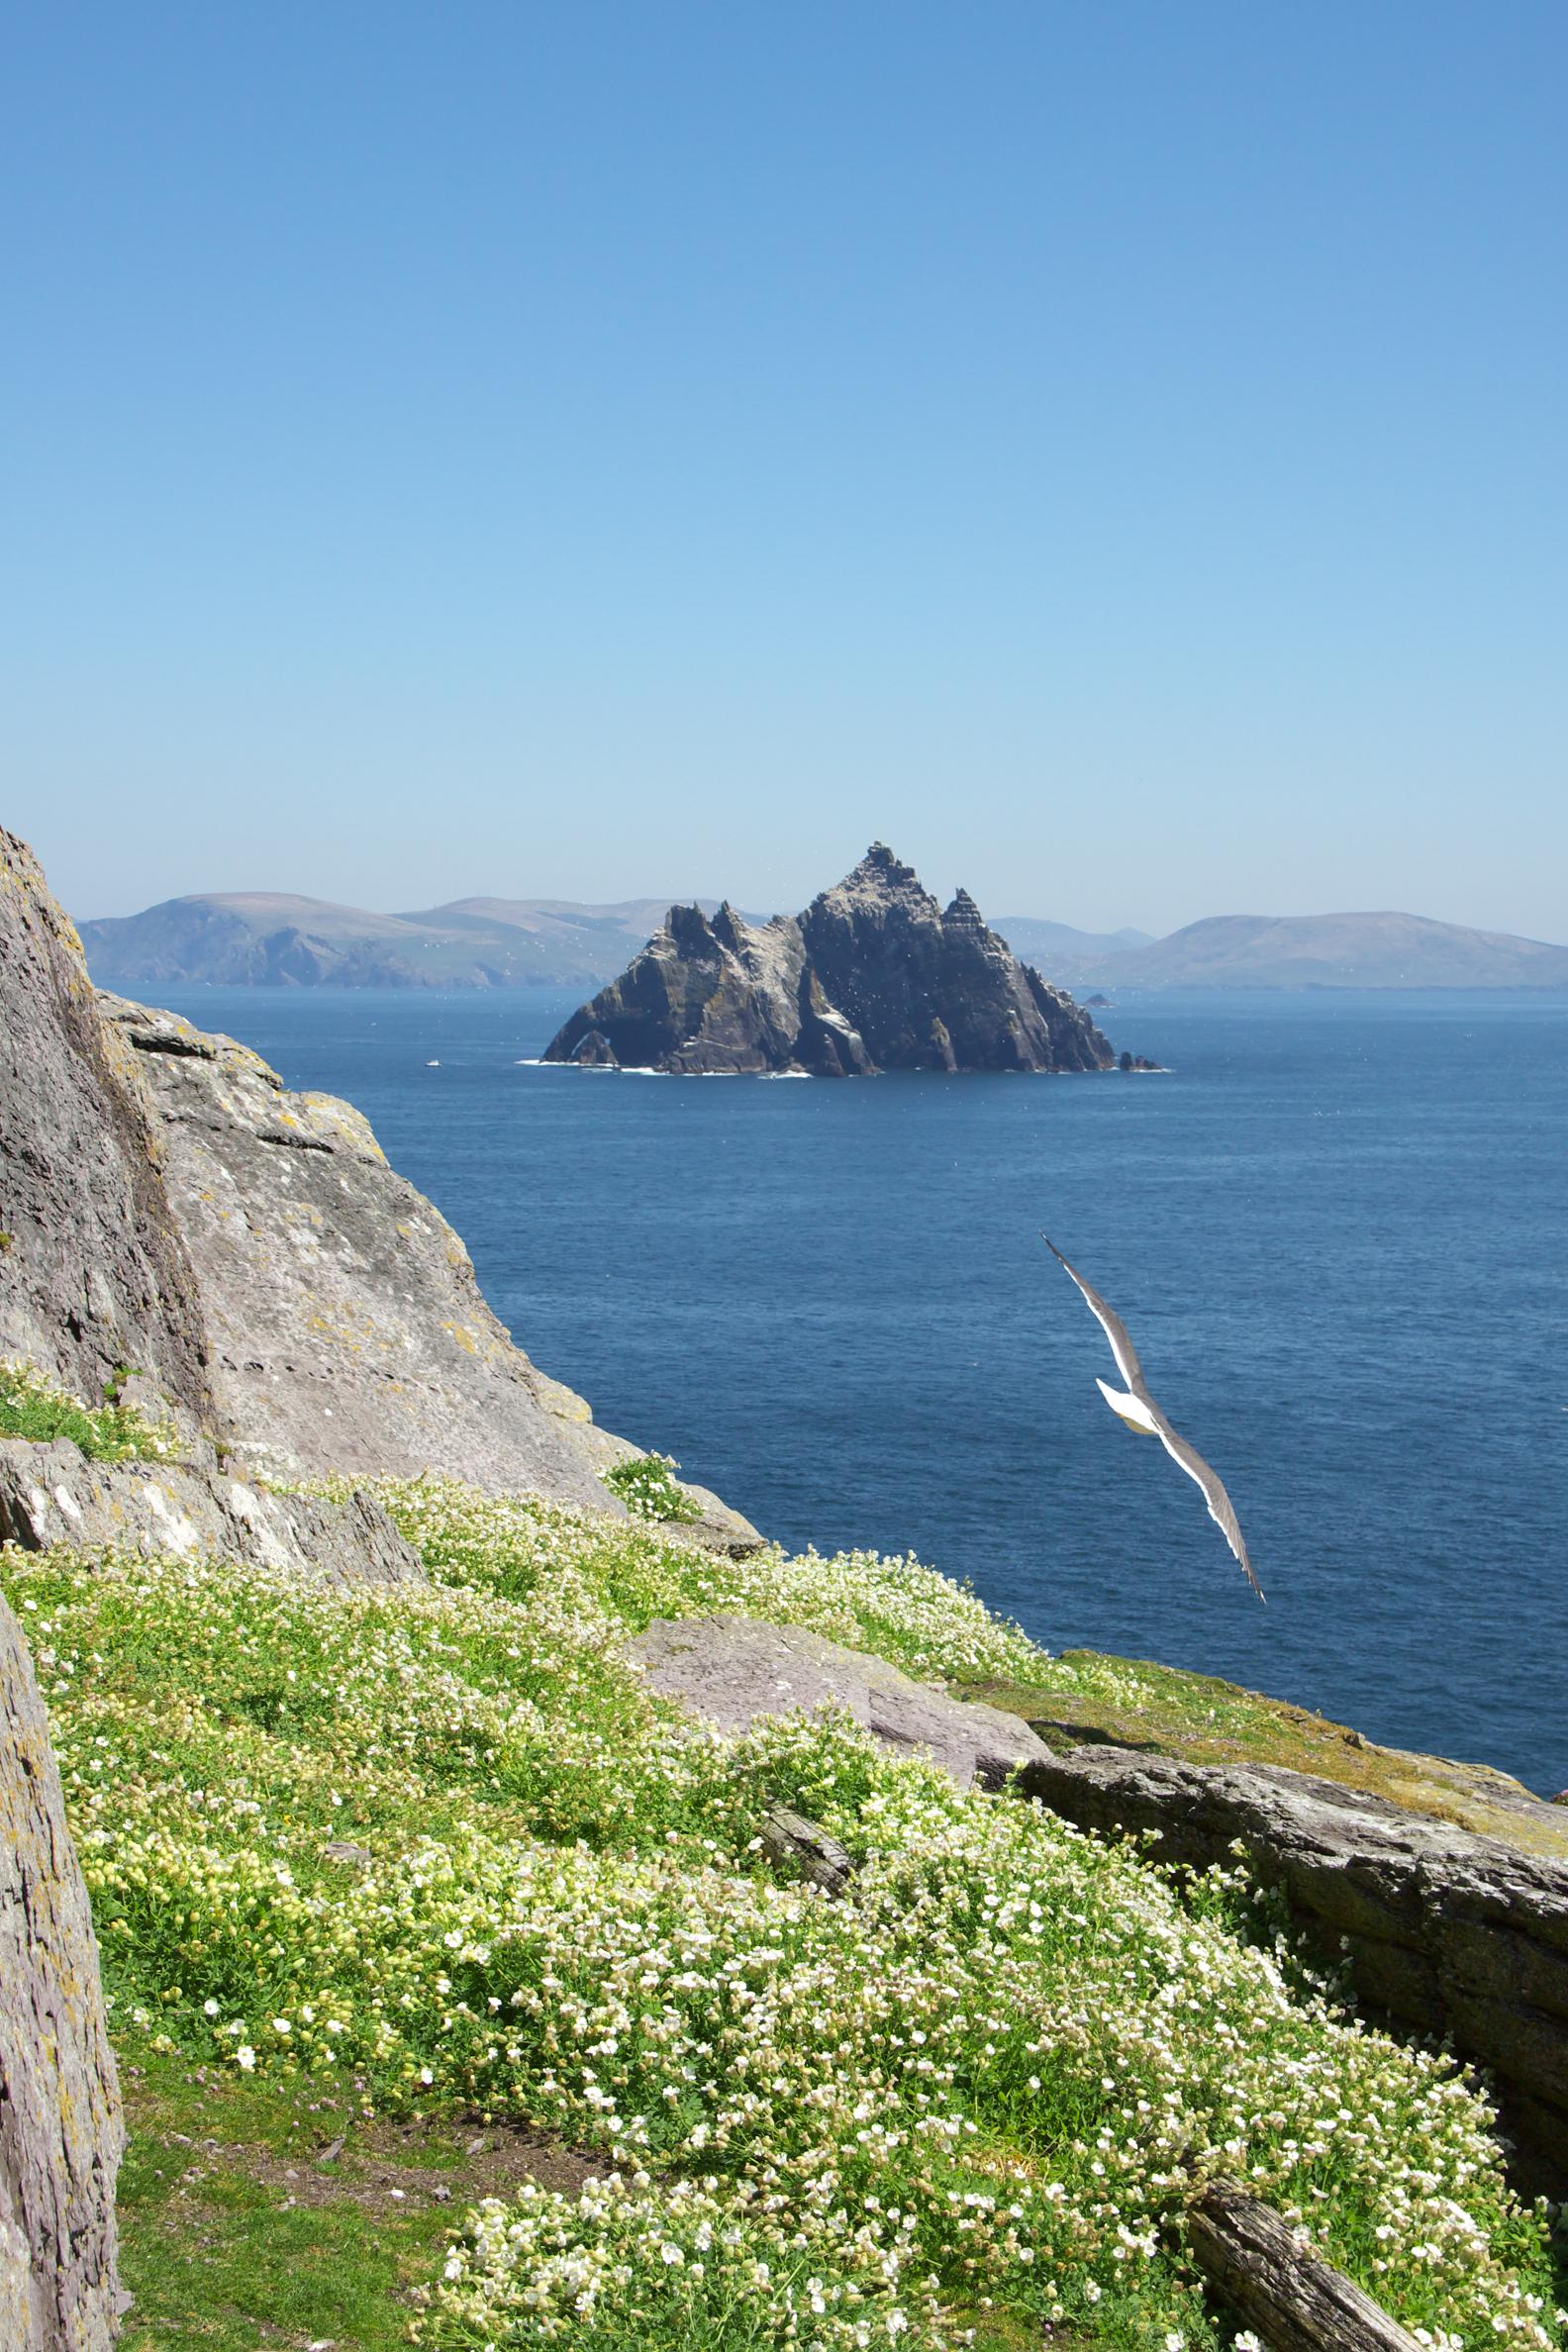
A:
{"x":873,"y":975}
{"x":885,"y":863}
{"x":690,"y":928}
{"x":732,"y":930}
{"x":881,"y":874}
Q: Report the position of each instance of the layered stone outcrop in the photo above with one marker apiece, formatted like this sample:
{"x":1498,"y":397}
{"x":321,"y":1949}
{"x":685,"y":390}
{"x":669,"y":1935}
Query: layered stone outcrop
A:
{"x":52,"y":1494}
{"x":1444,"y":1933}
{"x":733,"y":1671}
{"x":61,"y":2130}
{"x":874,"y":976}
{"x":169,"y":1210}
{"x":347,"y":1333}
{"x":93,"y":1273}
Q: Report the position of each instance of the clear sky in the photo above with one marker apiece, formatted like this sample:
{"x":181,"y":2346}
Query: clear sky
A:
{"x":1110,"y":448}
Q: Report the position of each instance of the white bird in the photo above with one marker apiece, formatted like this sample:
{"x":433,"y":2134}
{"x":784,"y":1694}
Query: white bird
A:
{"x":1138,"y":1410}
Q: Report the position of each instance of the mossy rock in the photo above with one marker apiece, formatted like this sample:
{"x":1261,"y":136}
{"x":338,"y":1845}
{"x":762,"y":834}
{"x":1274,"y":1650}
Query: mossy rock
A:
{"x":1093,"y":1700}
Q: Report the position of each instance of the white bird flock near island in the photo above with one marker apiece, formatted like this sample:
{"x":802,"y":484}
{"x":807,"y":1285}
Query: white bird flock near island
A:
{"x":1137,"y":1409}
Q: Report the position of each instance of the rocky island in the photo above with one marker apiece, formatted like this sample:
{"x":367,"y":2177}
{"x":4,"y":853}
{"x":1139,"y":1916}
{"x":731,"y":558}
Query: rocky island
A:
{"x":874,"y":975}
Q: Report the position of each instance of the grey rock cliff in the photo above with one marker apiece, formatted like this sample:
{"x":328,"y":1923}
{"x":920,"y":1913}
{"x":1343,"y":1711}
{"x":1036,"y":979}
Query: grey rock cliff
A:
{"x":167,"y":1207}
{"x":1445,"y":1932}
{"x":61,"y":2130}
{"x":874,"y":975}
{"x":52,"y":1494}
{"x":92,"y":1270}
{"x":733,"y":1671}
{"x":345,"y":1329}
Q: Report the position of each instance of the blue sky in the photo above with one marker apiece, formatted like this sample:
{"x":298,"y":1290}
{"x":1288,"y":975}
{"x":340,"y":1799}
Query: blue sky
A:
{"x":1113,"y":452}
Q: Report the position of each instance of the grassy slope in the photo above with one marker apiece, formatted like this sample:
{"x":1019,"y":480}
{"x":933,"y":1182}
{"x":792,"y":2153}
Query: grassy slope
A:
{"x":429,"y":1875}
{"x":259,"y":2213}
{"x":415,"y":1903}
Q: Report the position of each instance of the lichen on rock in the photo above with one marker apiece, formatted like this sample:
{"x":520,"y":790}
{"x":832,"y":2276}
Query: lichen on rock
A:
{"x":94,"y":1275}
{"x":61,"y":2130}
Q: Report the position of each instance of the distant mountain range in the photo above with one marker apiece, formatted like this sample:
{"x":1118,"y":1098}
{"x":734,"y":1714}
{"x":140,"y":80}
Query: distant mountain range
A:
{"x":1042,"y":943}
{"x":249,"y":938}
{"x":257,"y":939}
{"x":1308,"y":951}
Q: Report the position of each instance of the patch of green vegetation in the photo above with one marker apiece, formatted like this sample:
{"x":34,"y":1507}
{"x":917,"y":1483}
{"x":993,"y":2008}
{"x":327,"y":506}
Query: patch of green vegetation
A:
{"x":648,"y":1487}
{"x":236,"y":2235}
{"x":32,"y":1407}
{"x":402,"y":1854}
{"x":245,"y":2224}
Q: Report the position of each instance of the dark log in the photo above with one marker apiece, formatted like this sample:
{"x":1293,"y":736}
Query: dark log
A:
{"x":789,"y":1838}
{"x":1297,"y":2302}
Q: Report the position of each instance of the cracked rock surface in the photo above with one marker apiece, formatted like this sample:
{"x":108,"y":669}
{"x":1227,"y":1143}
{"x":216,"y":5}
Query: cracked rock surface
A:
{"x":60,"y":2129}
{"x":346,"y":1332}
{"x":1445,"y":1932}
{"x":93,"y":1273}
{"x":52,"y":1494}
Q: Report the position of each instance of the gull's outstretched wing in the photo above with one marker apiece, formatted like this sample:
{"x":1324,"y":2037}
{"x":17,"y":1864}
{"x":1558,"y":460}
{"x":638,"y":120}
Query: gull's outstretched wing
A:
{"x":1221,"y":1508}
{"x":1109,"y":1323}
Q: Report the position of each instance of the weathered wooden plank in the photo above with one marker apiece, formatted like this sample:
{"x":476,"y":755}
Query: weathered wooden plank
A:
{"x":1297,"y":2302}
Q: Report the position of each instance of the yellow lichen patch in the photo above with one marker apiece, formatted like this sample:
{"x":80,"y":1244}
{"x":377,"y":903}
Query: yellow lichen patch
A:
{"x":332,"y":1120}
{"x":349,"y":1326}
{"x":557,"y":1398}
{"x":342,"y":1333}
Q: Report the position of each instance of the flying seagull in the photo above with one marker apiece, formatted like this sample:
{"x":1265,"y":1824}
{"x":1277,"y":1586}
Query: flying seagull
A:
{"x":1138,"y":1410}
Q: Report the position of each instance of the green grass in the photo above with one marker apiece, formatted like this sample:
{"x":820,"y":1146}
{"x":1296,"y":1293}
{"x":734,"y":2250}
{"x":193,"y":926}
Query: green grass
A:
{"x":215,"y":2253}
{"x":649,"y":1486}
{"x":230,"y":2266}
{"x":217,"y":2260}
{"x":32,"y":1409}
{"x":372,"y":1862}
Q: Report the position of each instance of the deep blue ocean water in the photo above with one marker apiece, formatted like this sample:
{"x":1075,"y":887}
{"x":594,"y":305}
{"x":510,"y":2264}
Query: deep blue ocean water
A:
{"x":1335,"y":1229}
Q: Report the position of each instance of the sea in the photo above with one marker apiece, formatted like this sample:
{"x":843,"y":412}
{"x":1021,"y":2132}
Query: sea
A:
{"x":1334,"y":1225}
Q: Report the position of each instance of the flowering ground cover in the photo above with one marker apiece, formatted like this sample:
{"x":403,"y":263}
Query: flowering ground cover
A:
{"x":421,"y":1855}
{"x":30,"y":1407}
